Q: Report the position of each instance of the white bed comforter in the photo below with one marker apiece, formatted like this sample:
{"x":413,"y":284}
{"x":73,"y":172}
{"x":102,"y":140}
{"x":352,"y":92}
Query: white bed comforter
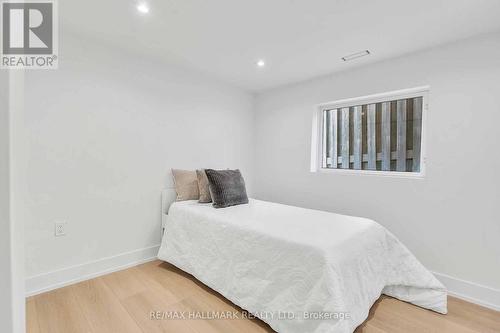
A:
{"x":282,"y":261}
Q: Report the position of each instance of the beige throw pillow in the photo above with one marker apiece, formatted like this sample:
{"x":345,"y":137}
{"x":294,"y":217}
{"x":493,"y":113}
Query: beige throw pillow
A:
{"x":203,"y":186}
{"x":186,"y":185}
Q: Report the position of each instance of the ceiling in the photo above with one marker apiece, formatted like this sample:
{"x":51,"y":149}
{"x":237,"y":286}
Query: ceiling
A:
{"x":299,"y":39}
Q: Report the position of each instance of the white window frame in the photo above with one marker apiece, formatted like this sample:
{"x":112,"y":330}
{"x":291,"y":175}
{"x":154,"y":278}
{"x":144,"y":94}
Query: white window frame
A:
{"x":317,"y":131}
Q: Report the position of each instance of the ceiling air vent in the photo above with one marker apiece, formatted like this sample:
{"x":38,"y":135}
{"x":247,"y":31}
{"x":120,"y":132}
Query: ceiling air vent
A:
{"x":356,"y":55}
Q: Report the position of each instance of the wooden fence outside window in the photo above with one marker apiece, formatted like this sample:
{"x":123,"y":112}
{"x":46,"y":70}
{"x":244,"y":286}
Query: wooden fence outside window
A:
{"x":384,"y":136}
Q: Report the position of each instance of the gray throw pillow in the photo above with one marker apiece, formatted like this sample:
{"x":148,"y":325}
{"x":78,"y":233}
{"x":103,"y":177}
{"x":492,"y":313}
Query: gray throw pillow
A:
{"x":227,"y":188}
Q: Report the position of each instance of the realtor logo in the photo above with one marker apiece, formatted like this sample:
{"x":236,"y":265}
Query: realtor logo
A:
{"x":29,"y":34}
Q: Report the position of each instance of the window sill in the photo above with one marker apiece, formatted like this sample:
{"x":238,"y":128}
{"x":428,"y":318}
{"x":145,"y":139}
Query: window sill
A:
{"x":391,"y":174}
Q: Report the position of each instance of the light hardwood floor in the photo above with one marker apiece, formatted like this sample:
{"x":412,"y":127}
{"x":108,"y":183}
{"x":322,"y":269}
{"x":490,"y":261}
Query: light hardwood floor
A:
{"x":122,"y":302}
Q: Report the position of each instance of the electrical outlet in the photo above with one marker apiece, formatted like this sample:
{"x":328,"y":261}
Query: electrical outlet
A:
{"x":60,"y":229}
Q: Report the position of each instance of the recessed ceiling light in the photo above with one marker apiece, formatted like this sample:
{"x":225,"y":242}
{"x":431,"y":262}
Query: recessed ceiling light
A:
{"x":143,"y":8}
{"x":261,"y":63}
{"x":356,"y":55}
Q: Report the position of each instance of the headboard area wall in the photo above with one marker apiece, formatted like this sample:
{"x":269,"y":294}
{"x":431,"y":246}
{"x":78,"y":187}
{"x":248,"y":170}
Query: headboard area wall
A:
{"x":122,"y":149}
{"x":167,"y":197}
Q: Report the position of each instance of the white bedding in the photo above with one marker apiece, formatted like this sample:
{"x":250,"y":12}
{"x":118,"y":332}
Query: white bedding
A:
{"x":273,"y":259}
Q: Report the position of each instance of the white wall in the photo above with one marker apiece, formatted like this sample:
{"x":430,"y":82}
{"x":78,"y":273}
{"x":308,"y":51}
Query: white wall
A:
{"x":17,"y":187}
{"x":99,"y":137}
{"x":6,"y":323}
{"x":455,"y":227}
{"x":12,"y":302}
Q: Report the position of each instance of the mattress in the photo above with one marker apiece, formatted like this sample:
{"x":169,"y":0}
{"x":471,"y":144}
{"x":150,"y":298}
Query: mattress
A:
{"x":299,"y":270}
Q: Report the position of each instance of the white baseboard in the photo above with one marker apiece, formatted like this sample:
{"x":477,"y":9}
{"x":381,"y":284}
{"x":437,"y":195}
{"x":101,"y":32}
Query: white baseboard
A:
{"x":63,"y":277}
{"x":471,"y":292}
{"x":468,"y":291}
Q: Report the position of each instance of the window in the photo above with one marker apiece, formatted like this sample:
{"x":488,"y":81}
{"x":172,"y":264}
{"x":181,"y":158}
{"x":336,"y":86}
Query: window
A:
{"x":378,"y":134}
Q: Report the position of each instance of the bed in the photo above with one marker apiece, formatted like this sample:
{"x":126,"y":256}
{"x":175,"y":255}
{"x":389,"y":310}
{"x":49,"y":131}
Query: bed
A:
{"x":299,"y":270}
